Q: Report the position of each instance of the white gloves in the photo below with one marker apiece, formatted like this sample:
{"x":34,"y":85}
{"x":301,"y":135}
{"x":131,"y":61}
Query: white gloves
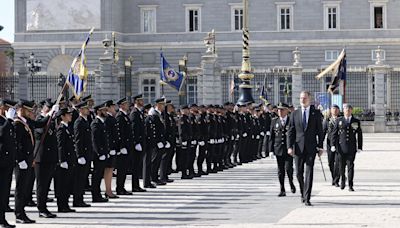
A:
{"x":212,"y":141}
{"x":167,"y":145}
{"x":201,"y":143}
{"x":184,"y":143}
{"x":10,"y":113}
{"x":257,"y":137}
{"x":138,"y":147}
{"x":333,"y":148}
{"x":23,"y":165}
{"x":124,"y":151}
{"x":102,"y":158}
{"x":160,"y":145}
{"x":245,"y":135}
{"x":81,"y":161}
{"x":194,"y":142}
{"x":271,"y":155}
{"x":262,"y":133}
{"x":64,"y":165}
{"x":232,"y":137}
{"x":177,"y":141}
{"x":112,"y":152}
{"x":252,"y":136}
{"x":237,"y":137}
{"x":268,"y":133}
{"x":222,"y":140}
{"x":54,"y":109}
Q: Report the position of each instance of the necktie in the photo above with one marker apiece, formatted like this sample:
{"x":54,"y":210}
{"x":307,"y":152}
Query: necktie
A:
{"x":304,"y":119}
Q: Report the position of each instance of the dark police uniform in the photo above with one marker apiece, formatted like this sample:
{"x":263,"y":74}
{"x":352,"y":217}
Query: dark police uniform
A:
{"x":83,"y":150}
{"x":278,"y":145}
{"x":101,"y":151}
{"x":328,"y":126}
{"x":349,"y":138}
{"x":8,"y":150}
{"x":64,"y":175}
{"x":137,"y":118}
{"x":203,"y":139}
{"x":46,"y":158}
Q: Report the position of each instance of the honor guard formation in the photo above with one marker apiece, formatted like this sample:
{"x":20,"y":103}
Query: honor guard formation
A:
{"x":77,"y":144}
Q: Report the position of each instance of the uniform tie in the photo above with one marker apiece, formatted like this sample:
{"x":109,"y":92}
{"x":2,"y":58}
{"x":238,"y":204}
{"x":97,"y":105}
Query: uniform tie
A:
{"x":304,"y":119}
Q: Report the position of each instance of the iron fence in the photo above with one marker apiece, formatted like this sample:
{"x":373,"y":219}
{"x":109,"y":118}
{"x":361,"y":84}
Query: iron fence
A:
{"x":8,"y":87}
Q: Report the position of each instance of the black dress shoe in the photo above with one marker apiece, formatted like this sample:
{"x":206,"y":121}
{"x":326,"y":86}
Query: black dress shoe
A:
{"x":293,"y":188}
{"x":24,"y":220}
{"x":138,"y":189}
{"x":110,"y":197}
{"x":203,"y":173}
{"x":281,"y":194}
{"x":9,"y":209}
{"x":160,"y":183}
{"x":31,"y":204}
{"x":185,"y":177}
{"x":49,"y":200}
{"x":99,"y":200}
{"x":337,"y":185}
{"x":303,"y":200}
{"x":308,"y":203}
{"x":124,"y":193}
{"x":150,"y":186}
{"x":342,"y":186}
{"x":81,"y":204}
{"x":46,"y":214}
{"x":351,"y":189}
{"x":65,"y":210}
{"x":197,"y":175}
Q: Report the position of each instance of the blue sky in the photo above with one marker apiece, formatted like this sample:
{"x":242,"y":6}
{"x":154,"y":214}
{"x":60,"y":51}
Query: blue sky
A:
{"x":7,"y":20}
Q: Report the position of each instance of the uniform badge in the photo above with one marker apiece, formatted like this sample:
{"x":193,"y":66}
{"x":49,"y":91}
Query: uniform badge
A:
{"x":340,"y":123}
{"x":277,"y":125}
{"x":354,"y":126}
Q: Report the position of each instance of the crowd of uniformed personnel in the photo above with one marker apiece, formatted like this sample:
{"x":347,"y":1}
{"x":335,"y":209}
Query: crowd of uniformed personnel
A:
{"x":73,"y":139}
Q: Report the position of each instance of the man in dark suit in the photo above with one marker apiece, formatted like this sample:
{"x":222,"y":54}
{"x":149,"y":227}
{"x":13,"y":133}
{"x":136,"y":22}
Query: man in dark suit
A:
{"x":278,"y":146}
{"x":333,"y":158}
{"x":45,"y":158}
{"x":305,"y":139}
{"x":83,"y":150}
{"x":8,"y":150}
{"x":67,"y":160}
{"x":101,"y":151}
{"x":348,"y":137}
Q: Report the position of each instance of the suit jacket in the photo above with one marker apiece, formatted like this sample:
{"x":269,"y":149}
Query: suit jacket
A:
{"x":155,"y":129}
{"x":25,"y":141}
{"x":65,"y":145}
{"x":305,"y":140}
{"x":99,"y":138}
{"x":348,"y":136}
{"x":112,"y":132}
{"x":83,"y":138}
{"x":47,"y":151}
{"x":8,"y":142}
{"x":124,"y":129}
{"x":278,"y":138}
{"x":137,"y":118}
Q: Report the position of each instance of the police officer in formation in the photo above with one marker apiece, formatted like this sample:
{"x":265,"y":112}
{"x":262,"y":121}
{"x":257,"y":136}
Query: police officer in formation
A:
{"x":153,"y":141}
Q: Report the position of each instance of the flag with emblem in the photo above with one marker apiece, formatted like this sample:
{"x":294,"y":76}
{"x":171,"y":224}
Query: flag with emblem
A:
{"x":169,"y":76}
{"x":263,"y":94}
{"x":78,"y":73}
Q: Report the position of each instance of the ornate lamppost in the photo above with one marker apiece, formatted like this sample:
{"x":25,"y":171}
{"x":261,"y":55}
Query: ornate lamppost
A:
{"x":183,"y":70}
{"x":34,"y":65}
{"x":246,"y":75}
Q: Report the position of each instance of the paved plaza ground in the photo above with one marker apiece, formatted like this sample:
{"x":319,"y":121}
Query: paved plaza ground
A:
{"x":246,"y":196}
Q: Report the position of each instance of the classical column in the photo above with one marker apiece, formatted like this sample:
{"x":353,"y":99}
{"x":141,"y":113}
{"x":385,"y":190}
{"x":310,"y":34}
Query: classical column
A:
{"x":297,"y":79}
{"x":379,"y":70}
{"x":209,"y":83}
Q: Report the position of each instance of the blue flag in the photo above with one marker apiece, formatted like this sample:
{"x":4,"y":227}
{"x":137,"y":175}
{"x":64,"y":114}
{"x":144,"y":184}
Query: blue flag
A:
{"x":78,"y":73}
{"x":170,"y":76}
{"x":339,"y":75}
{"x":263,"y":94}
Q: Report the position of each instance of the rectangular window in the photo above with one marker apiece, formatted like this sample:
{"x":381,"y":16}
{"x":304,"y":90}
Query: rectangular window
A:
{"x":149,"y":90}
{"x":148,"y":19}
{"x":378,"y":17}
{"x":237,"y":19}
{"x":332,"y":15}
{"x":191,"y":90}
{"x":285,"y":16}
{"x":378,"y":14}
{"x":193,"y":19}
{"x":331,"y":55}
